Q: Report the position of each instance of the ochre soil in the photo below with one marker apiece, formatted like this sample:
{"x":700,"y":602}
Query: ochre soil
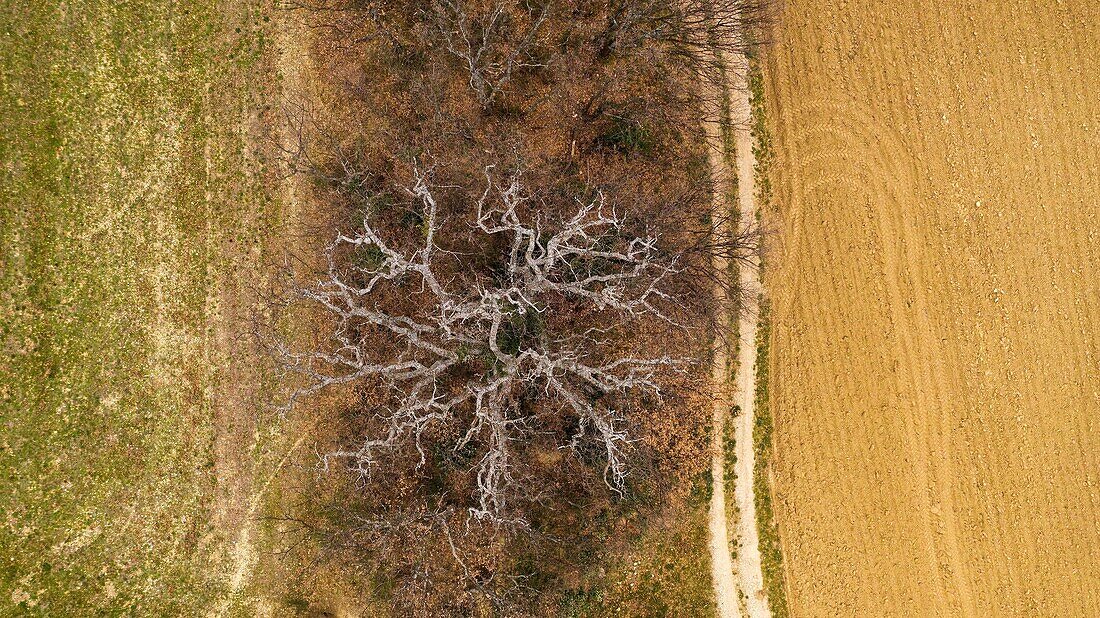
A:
{"x":936,"y":294}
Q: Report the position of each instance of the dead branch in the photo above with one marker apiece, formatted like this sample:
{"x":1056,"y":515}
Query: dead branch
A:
{"x":469,"y":356}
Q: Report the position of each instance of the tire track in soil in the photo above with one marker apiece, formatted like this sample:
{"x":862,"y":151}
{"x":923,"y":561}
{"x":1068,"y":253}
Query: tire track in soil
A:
{"x":935,"y":307}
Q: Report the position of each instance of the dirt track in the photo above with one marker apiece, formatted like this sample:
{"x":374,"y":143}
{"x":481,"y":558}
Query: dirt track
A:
{"x":936,"y":351}
{"x":746,"y":577}
{"x":749,"y":575}
{"x":718,"y":538}
{"x":236,"y":422}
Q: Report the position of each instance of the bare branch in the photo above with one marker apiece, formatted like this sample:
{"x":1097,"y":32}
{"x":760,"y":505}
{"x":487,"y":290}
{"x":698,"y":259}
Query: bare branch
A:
{"x":467,"y":357}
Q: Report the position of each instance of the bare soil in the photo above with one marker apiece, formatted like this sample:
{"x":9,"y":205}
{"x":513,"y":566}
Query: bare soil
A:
{"x":936,"y":302}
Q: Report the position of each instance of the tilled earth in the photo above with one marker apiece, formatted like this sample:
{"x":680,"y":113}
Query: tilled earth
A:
{"x":936,"y":304}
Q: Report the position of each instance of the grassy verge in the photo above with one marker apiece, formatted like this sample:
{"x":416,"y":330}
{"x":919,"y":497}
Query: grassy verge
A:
{"x":770,"y":548}
{"x":124,"y":179}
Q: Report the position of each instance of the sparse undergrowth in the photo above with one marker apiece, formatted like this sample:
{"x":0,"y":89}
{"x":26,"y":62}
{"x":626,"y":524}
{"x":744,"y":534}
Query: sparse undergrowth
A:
{"x":664,"y":571}
{"x":729,"y":448}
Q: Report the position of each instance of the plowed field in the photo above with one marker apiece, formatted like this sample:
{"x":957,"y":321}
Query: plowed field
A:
{"x":936,"y":306}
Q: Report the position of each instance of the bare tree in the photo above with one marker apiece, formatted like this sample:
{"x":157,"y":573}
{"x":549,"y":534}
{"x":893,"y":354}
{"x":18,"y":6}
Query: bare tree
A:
{"x":691,"y":29}
{"x":468,"y":354}
{"x":490,"y":51}
{"x":492,"y":40}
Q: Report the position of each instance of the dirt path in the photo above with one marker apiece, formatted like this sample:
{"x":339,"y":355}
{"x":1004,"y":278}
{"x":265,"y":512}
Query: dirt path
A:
{"x":236,"y":418}
{"x":725,"y":585}
{"x":747,"y":576}
{"x":744,"y":395}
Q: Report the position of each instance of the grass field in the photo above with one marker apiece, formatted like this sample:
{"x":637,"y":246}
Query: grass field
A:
{"x":129,"y":205}
{"x":936,"y":303}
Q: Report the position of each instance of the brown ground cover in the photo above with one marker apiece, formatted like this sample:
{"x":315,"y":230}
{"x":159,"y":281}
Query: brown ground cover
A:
{"x":936,"y":303}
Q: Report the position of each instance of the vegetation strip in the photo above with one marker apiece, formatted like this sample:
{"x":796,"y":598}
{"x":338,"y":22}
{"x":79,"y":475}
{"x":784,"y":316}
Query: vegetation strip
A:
{"x":528,"y":183}
{"x":771,"y":554}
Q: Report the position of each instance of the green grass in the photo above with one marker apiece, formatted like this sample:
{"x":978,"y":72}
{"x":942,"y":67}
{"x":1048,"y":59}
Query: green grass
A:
{"x":729,"y":471}
{"x":628,"y":136}
{"x":771,"y":551}
{"x":762,"y":148}
{"x":123,"y":180}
